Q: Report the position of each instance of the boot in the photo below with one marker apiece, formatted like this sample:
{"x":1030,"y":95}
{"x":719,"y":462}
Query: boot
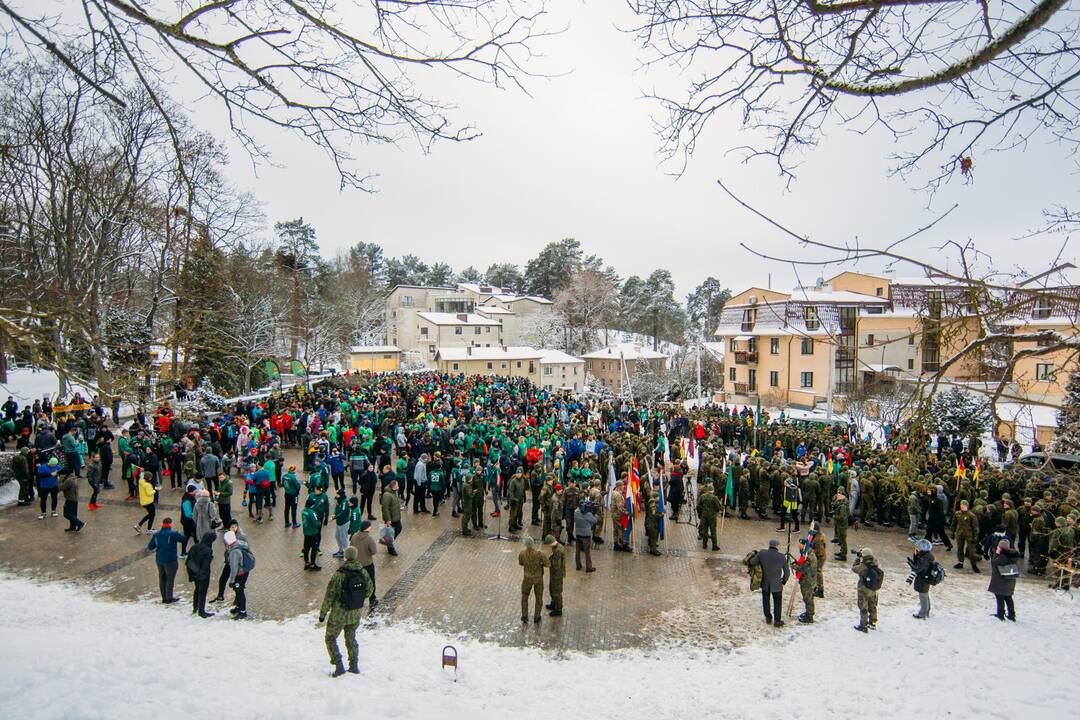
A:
{"x":339,"y":669}
{"x":975,"y":568}
{"x":840,"y":556}
{"x":819,"y":593}
{"x":804,"y":619}
{"x":958,"y":566}
{"x":598,"y":541}
{"x":861,"y":628}
{"x":354,"y":667}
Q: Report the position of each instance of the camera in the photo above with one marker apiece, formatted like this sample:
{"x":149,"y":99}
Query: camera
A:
{"x":588,"y":506}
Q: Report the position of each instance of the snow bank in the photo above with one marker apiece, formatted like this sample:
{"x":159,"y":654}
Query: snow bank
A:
{"x":962,"y":663}
{"x":27,"y":385}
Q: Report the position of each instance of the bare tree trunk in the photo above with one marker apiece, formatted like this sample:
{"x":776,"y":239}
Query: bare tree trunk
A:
{"x":3,"y":357}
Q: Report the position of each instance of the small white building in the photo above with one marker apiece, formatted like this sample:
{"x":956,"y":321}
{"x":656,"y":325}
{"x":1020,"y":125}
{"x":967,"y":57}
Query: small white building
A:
{"x":560,"y":371}
{"x":443,"y":330}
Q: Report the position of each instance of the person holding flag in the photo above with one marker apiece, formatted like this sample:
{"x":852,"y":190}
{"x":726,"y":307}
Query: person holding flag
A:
{"x":620,"y":521}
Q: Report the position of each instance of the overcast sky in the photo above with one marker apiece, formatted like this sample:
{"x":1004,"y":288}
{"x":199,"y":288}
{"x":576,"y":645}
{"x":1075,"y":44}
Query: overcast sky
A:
{"x":579,"y":158}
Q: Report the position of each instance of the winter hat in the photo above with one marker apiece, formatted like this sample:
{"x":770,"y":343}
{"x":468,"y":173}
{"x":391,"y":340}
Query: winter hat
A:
{"x":351,"y":553}
{"x":1004,"y":544}
{"x":867,"y":553}
{"x":558,"y":487}
{"x":53,"y":462}
{"x":774,"y":543}
{"x":230,"y":537}
{"x":365,"y":525}
{"x":924,"y":546}
{"x":529,"y":542}
{"x":549,"y":539}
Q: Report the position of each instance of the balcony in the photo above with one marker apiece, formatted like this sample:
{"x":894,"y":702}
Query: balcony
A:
{"x":747,"y":325}
{"x":742,"y":357}
{"x":745,"y":388}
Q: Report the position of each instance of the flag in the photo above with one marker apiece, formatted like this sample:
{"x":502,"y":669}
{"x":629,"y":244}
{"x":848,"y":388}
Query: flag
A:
{"x":611,"y":478}
{"x":829,"y":465}
{"x":961,"y":471}
{"x":729,"y":488}
{"x":758,"y":415}
{"x":660,"y":509}
{"x":805,"y":552}
{"x":975,"y":473}
{"x":633,"y":486}
{"x":648,"y":471}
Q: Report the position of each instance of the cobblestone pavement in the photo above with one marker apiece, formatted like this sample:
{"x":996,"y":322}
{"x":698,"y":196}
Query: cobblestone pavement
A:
{"x":458,"y":585}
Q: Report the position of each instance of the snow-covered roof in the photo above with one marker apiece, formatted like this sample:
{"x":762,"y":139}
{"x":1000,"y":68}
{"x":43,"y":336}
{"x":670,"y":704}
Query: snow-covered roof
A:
{"x":834,"y":296}
{"x":362,"y":349}
{"x":521,"y":352}
{"x":440,"y":318}
{"x":557,"y":357}
{"x":493,"y":310}
{"x":767,"y":330}
{"x":628,"y":351}
{"x":534,"y":298}
{"x":716,"y":349}
{"x":880,"y":367}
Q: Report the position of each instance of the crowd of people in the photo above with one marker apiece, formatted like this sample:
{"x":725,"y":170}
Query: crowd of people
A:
{"x":377,"y":447}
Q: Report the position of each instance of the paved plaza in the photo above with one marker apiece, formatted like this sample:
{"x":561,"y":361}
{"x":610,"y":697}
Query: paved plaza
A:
{"x":458,"y":585}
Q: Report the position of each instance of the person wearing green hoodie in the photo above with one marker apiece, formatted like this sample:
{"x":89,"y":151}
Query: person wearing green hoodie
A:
{"x":290,"y":485}
{"x":312,"y":536}
{"x":341,"y":523}
{"x":224,"y":498}
{"x":341,"y":609}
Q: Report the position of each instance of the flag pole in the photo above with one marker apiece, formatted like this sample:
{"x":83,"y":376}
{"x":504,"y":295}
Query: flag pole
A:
{"x":723,"y":514}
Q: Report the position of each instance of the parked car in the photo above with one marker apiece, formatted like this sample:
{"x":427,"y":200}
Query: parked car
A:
{"x":1046,"y":463}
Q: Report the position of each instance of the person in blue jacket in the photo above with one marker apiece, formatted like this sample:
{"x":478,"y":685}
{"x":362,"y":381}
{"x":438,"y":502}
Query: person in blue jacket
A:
{"x":48,"y":481}
{"x":164,"y":543}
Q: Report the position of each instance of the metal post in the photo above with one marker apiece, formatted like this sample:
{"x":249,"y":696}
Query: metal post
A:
{"x":829,"y":390}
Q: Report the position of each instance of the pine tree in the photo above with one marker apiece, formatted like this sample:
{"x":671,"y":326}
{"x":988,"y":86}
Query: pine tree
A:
{"x":1067,"y":437}
{"x":958,"y":412}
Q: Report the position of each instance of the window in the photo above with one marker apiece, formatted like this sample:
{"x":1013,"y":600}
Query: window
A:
{"x":733,"y":344}
{"x":774,"y":378}
{"x":455,"y":366}
{"x":575,"y":373}
{"x":749,"y":316}
{"x":811,"y":317}
{"x":393,"y":313}
{"x":476,"y":331}
{"x":874,"y":310}
{"x":458,"y":331}
{"x":774,"y":346}
{"x":870,"y":340}
{"x":911,"y":339}
{"x":519,"y":364}
{"x":1044,"y":371}
{"x":387,"y":357}
{"x":431,"y":349}
{"x":751,"y":379}
{"x":807,"y":346}
{"x":1045,"y":341}
{"x":806,"y":379}
{"x":603,"y":366}
{"x":487,"y":330}
{"x":406,"y":301}
{"x":423,"y":331}
{"x":502,"y":365}
{"x":1042,"y":308}
{"x":880,"y":292}
{"x":731,"y":374}
{"x":547,"y":370}
{"x":751,"y":344}
{"x":911,"y":363}
{"x":489,"y":366}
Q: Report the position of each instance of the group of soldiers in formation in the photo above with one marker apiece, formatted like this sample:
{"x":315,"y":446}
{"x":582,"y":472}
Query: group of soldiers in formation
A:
{"x":462,"y":440}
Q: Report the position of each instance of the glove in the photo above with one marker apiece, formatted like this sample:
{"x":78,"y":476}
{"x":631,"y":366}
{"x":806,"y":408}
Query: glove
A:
{"x":322,"y":618}
{"x":234,"y":585}
{"x":910,"y":579}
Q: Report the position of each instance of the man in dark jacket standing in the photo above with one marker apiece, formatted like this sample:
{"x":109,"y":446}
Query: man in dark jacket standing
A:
{"x":920,"y":564}
{"x":199,"y":560}
{"x":164,"y":543}
{"x":774,"y":575}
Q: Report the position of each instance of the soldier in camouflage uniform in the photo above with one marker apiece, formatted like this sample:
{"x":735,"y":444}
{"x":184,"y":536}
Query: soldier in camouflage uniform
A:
{"x":618,"y":510}
{"x":810,"y":487}
{"x":807,"y":572}
{"x":516,"y":493}
{"x":840,"y":523}
{"x":652,"y":526}
{"x":761,"y":495}
{"x":340,"y":618}
{"x":867,"y":598}
{"x":556,"y":575}
{"x":708,"y":507}
{"x":965,"y":527}
{"x":536,"y":484}
{"x":742,"y":492}
{"x":556,"y":511}
{"x":596,"y":496}
{"x":545,"y":504}
{"x":468,"y":513}
{"x":1061,"y":544}
{"x":1038,"y":540}
{"x":533,"y":563}
{"x":819,"y":548}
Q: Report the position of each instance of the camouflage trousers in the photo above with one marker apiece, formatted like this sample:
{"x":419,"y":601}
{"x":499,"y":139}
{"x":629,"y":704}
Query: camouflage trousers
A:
{"x":965,"y":548}
{"x":466,"y":515}
{"x":707,"y":530}
{"x":867,"y":599}
{"x":351,"y":647}
{"x":807,"y":590}
{"x":840,"y":532}
{"x":536,"y":587}
{"x":555,"y":591}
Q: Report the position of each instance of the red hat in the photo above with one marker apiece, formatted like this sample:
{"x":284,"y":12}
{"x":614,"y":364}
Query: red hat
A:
{"x":558,"y":487}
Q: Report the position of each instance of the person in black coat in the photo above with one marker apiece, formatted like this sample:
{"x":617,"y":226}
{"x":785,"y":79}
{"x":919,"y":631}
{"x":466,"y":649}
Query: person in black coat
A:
{"x":676,"y":491}
{"x":198,"y":566}
{"x":920,"y":564}
{"x":774,"y":575}
{"x":1003,"y":585}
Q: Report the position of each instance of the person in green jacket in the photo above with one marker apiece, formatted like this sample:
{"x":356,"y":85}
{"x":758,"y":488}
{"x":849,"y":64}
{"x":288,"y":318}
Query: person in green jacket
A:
{"x":341,"y":608}
{"x":224,"y":499}
{"x":341,"y":523}
{"x":290,"y":485}
{"x":556,"y":574}
{"x":312,"y":536}
{"x":356,"y":516}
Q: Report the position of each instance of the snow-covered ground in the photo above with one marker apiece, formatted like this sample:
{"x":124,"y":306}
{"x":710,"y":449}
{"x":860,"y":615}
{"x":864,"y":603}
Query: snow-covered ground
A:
{"x":27,"y":385}
{"x":66,"y":655}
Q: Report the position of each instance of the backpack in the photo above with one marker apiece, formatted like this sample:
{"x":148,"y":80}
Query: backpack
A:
{"x":354,"y":590}
{"x":935,"y":574}
{"x":247,"y":560}
{"x":872,"y":577}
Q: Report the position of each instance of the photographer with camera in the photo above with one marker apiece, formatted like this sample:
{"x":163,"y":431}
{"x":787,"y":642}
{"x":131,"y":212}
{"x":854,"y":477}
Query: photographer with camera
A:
{"x":585,"y":519}
{"x":870,"y":578}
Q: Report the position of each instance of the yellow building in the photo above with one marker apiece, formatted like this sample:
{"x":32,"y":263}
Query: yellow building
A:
{"x":611,"y":365}
{"x":374,"y":358}
{"x":499,"y":361}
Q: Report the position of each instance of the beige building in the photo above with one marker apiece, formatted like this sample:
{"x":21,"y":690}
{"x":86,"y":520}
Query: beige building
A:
{"x":443,"y":330}
{"x":611,"y":365}
{"x":560,"y":371}
{"x":374,"y":358}
{"x":499,"y":361}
